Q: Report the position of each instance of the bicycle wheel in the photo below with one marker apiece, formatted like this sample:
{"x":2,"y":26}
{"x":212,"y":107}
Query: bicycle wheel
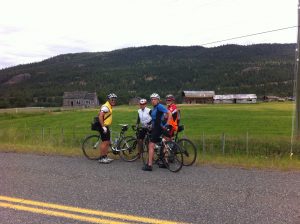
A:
{"x":129,"y":149}
{"x":90,"y":147}
{"x":172,"y":156}
{"x":189,"y":151}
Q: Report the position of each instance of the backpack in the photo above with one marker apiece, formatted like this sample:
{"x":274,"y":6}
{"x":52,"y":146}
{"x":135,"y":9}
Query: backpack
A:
{"x":95,"y":125}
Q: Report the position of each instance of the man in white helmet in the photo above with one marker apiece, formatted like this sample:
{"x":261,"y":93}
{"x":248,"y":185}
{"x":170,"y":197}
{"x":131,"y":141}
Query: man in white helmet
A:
{"x":144,"y":118}
{"x":105,"y":118}
{"x":157,"y":115}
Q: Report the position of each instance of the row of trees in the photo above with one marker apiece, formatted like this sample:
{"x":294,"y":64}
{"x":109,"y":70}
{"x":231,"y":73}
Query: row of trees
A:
{"x":265,"y":69}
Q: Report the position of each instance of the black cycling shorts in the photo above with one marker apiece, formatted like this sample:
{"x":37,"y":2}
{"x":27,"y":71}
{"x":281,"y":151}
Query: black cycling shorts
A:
{"x":155,"y":135}
{"x":105,"y":136}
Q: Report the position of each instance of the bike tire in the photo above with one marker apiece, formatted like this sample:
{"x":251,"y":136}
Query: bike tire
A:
{"x":172,"y":156}
{"x":145,"y":154}
{"x":130,"y":150}
{"x":90,"y":147}
{"x":189,"y":151}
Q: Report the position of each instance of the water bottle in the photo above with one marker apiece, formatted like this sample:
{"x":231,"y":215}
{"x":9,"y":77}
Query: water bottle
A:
{"x":115,"y":141}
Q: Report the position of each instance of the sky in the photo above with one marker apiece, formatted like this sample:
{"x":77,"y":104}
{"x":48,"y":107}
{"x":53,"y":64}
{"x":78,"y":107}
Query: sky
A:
{"x":34,"y":30}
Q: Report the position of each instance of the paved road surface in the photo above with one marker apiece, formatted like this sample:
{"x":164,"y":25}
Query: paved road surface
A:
{"x":202,"y":194}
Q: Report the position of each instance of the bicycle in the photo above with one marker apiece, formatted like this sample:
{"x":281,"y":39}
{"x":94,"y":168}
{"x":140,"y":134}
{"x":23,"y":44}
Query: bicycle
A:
{"x":167,"y":152}
{"x":189,"y":150}
{"x":124,"y":146}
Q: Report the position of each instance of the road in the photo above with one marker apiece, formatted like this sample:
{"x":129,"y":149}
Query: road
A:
{"x":42,"y":189}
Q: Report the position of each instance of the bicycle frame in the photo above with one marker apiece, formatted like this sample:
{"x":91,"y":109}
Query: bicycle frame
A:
{"x":115,"y":146}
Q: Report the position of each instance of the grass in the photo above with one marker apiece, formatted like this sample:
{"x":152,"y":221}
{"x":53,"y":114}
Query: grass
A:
{"x":248,"y":135}
{"x":259,"y":162}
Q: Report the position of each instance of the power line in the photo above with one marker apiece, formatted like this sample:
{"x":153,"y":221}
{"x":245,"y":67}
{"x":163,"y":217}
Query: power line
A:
{"x":249,"y":35}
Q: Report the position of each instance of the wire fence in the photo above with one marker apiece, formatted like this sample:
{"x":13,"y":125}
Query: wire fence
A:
{"x":222,"y":144}
{"x":246,"y":145}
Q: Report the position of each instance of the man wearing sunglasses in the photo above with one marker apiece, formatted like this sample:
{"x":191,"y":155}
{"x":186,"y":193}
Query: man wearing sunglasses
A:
{"x":157,"y":115}
{"x":105,"y":118}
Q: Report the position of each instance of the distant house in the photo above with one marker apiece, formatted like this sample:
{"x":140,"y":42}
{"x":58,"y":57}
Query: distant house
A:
{"x":134,"y":101}
{"x":198,"y":97}
{"x":273,"y":98}
{"x":80,"y":99}
{"x":235,"y":98}
{"x":224,"y":98}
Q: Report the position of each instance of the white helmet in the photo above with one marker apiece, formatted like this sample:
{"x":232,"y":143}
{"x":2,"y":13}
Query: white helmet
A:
{"x":154,"y":95}
{"x":111,"y":95}
{"x":143,"y":101}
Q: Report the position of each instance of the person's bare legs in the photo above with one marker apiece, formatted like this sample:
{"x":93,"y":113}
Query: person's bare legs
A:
{"x":151,"y":153}
{"x":104,"y":148}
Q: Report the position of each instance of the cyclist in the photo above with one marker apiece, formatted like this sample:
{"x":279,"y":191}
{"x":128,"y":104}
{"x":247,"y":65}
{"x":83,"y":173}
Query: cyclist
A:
{"x":173,"y":124}
{"x":105,"y":118}
{"x":144,"y":118}
{"x":157,"y":115}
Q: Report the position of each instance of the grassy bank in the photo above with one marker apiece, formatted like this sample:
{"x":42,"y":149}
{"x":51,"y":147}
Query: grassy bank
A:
{"x":246,"y":135}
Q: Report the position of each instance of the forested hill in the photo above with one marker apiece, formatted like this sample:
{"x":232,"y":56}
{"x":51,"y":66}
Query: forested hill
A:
{"x":264,"y":69}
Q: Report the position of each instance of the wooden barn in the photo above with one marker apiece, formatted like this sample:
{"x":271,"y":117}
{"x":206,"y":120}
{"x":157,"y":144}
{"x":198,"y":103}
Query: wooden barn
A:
{"x":198,"y":97}
{"x":79,"y":99}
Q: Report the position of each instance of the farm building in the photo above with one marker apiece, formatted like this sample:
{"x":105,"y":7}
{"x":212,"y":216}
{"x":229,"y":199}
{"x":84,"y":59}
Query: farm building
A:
{"x":273,"y":98}
{"x":193,"y":97}
{"x":80,"y":99}
{"x":235,"y":98}
{"x":134,"y":101}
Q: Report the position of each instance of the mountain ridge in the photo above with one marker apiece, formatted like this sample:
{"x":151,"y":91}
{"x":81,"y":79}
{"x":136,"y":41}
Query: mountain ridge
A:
{"x":263,"y":69}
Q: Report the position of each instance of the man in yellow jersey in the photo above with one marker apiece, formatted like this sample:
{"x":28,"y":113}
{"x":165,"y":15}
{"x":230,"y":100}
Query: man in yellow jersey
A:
{"x":105,"y":118}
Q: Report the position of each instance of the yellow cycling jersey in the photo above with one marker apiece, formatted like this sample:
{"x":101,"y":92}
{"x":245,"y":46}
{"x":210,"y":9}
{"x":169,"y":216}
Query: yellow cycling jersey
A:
{"x":108,"y":114}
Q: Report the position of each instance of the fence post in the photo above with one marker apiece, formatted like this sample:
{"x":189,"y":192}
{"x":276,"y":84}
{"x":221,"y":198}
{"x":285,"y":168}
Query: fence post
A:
{"x":74,"y":139}
{"x":203,"y":143}
{"x":62,"y":135}
{"x":223,"y":143}
{"x":43,"y":134}
{"x":25,"y":131}
{"x":247,"y":143}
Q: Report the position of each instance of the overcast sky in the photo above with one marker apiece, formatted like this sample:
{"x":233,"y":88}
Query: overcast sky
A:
{"x":33,"y":30}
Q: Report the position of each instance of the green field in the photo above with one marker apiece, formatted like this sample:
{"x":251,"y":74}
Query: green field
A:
{"x":221,"y":132}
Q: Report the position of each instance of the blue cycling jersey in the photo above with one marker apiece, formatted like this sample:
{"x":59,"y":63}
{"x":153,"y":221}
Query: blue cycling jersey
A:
{"x":157,"y":114}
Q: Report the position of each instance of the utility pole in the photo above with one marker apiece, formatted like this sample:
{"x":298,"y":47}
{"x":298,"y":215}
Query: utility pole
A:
{"x":297,"y":65}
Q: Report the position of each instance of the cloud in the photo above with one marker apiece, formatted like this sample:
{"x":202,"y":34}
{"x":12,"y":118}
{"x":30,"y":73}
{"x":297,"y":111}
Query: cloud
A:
{"x":35,"y":30}
{"x":7,"y":30}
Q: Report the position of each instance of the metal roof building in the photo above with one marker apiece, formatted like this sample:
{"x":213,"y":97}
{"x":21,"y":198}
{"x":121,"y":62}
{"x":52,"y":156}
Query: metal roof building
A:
{"x":235,"y":98}
{"x":195,"y":97}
